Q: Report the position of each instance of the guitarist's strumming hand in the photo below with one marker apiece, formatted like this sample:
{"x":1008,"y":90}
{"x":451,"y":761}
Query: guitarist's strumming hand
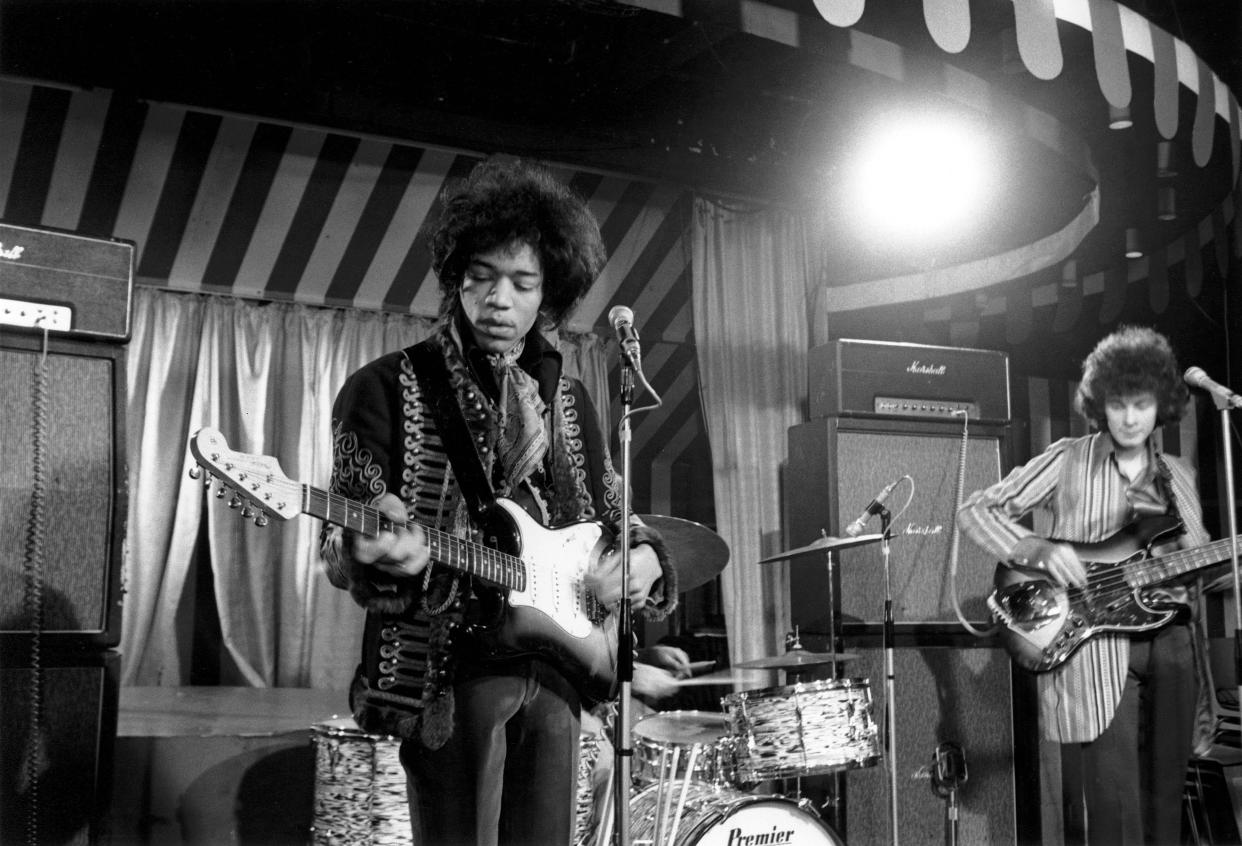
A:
{"x":1058,"y":559}
{"x":604,"y":576}
{"x":400,"y":553}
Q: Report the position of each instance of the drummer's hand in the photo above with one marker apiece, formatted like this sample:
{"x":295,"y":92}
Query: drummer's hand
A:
{"x":1059,"y":560}
{"x":653,"y":682}
{"x":666,"y":657}
{"x":398,"y":553}
{"x":604,"y":576}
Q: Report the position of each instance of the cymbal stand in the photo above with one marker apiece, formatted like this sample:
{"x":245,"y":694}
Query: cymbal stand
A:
{"x":890,"y":704}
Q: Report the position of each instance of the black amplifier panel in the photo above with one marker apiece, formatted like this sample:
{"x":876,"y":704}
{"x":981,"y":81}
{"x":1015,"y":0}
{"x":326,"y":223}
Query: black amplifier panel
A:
{"x":849,"y":377}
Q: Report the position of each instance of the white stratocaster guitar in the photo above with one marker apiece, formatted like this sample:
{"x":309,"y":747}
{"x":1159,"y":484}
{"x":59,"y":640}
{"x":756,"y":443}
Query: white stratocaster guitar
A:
{"x":549,"y":610}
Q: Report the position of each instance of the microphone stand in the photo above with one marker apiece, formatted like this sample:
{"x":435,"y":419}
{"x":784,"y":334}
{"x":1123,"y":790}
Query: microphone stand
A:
{"x":1223,"y":405}
{"x":622,"y":741}
{"x":625,"y":626}
{"x":890,"y":687}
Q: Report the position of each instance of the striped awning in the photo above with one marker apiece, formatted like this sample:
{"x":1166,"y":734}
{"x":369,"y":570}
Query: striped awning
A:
{"x":233,"y":205}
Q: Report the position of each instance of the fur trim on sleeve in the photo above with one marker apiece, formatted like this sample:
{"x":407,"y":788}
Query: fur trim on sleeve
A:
{"x":664,"y":594}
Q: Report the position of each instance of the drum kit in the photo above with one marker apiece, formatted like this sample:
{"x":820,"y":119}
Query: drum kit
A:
{"x":702,"y":778}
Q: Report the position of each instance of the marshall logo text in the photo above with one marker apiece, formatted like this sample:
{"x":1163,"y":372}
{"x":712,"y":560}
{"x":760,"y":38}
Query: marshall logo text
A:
{"x":919,"y":368}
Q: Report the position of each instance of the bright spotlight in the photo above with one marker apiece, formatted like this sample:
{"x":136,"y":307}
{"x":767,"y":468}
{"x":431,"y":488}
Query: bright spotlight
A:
{"x":919,"y":179}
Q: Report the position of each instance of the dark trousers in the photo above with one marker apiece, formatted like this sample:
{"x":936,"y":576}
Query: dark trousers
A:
{"x":1125,"y":787}
{"x":508,"y":773}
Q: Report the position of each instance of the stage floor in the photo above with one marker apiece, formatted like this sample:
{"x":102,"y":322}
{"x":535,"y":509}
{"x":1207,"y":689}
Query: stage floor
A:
{"x":217,"y":765}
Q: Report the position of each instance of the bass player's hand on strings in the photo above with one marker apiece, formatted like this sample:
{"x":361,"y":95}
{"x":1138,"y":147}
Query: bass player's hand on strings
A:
{"x":402,"y":552}
{"x":1058,"y":559}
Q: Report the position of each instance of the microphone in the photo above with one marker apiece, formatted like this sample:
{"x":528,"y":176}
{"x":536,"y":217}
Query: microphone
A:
{"x":948,"y":768}
{"x":876,"y":505}
{"x":622,"y":320}
{"x":1196,"y":378}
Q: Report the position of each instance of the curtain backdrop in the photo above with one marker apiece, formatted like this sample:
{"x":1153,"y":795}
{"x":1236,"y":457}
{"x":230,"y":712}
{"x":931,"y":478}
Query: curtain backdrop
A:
{"x":752,"y":278}
{"x":264,"y":374}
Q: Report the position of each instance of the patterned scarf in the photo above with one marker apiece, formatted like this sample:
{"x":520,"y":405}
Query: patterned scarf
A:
{"x":523,"y":432}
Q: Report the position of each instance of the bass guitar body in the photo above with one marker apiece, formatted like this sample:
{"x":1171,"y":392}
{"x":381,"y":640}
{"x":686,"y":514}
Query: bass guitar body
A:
{"x":1044,"y":622}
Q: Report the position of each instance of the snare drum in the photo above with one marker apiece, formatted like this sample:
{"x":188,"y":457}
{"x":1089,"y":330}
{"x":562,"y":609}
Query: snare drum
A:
{"x":664,"y":743}
{"x":719,"y":816}
{"x":359,"y":787}
{"x":802,"y":729}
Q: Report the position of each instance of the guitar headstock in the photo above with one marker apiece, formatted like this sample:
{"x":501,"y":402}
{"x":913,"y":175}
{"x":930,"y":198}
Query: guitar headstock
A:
{"x":254,"y":481}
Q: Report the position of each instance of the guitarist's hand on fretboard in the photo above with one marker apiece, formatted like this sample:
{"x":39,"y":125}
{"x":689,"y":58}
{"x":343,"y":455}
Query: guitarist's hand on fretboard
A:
{"x":398,"y":553}
{"x":1058,"y":559}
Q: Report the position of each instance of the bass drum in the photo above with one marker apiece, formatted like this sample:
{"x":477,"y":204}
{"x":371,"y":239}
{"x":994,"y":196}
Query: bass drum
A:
{"x":722,"y":816}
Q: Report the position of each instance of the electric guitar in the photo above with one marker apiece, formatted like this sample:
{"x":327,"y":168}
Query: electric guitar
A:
{"x":549,"y":611}
{"x":1043,"y":622}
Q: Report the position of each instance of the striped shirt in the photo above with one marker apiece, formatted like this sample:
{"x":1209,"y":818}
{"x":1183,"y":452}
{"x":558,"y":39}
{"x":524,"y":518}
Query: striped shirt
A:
{"x":1077,"y":490}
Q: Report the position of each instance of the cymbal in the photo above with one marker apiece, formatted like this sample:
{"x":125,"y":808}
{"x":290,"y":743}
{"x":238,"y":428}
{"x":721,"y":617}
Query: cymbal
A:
{"x":822,"y":545}
{"x":698,"y":552}
{"x":795,"y":658}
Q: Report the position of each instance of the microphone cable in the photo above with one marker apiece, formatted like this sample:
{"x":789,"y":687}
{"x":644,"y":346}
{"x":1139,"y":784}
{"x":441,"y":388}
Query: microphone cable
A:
{"x":956,"y":535}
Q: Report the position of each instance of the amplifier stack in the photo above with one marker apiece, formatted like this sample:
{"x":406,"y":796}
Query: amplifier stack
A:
{"x":881,"y":412}
{"x":64,"y":321}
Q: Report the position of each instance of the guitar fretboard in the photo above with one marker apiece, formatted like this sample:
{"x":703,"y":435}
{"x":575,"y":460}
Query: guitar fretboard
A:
{"x":489,"y":564}
{"x":1180,"y":562}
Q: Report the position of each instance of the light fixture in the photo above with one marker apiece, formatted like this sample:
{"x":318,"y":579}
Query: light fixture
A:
{"x":1119,"y":117}
{"x":1166,"y":202}
{"x":1069,"y":274}
{"x":1164,"y":159}
{"x":1134,"y":247}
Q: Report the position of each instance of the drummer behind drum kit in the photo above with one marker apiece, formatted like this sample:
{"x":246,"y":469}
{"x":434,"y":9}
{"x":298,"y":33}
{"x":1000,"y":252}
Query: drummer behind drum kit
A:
{"x":697,"y":774}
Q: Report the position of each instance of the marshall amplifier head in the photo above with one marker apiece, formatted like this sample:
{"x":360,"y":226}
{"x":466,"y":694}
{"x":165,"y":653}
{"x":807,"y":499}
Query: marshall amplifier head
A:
{"x":69,"y":284}
{"x":851,"y":377}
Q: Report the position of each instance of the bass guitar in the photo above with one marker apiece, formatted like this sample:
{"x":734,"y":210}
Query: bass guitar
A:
{"x":1043,"y":622}
{"x":549,"y":610}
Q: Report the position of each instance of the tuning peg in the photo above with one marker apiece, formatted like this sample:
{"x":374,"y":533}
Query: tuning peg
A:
{"x":247,"y":511}
{"x":261,"y":520}
{"x":196,"y":472}
{"x":235,"y":501}
{"x":220,"y":492}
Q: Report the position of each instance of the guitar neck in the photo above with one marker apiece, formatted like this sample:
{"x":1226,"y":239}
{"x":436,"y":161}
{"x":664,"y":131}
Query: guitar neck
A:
{"x":1162,"y":568}
{"x":492,"y":565}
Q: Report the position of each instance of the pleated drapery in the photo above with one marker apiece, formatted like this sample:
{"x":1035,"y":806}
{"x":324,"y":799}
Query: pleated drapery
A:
{"x":751,"y":289}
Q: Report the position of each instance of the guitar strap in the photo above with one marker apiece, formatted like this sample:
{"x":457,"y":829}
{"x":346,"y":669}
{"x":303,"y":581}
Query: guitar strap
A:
{"x":1164,"y":482}
{"x":454,"y":431}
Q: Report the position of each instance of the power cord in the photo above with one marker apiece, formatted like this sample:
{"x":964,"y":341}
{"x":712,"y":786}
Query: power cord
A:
{"x":32,"y":567}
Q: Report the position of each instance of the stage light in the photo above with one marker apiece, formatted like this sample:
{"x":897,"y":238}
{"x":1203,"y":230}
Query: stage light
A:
{"x":1119,"y":117}
{"x":1134,"y":244}
{"x":1069,"y":274}
{"x":919,"y":179}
